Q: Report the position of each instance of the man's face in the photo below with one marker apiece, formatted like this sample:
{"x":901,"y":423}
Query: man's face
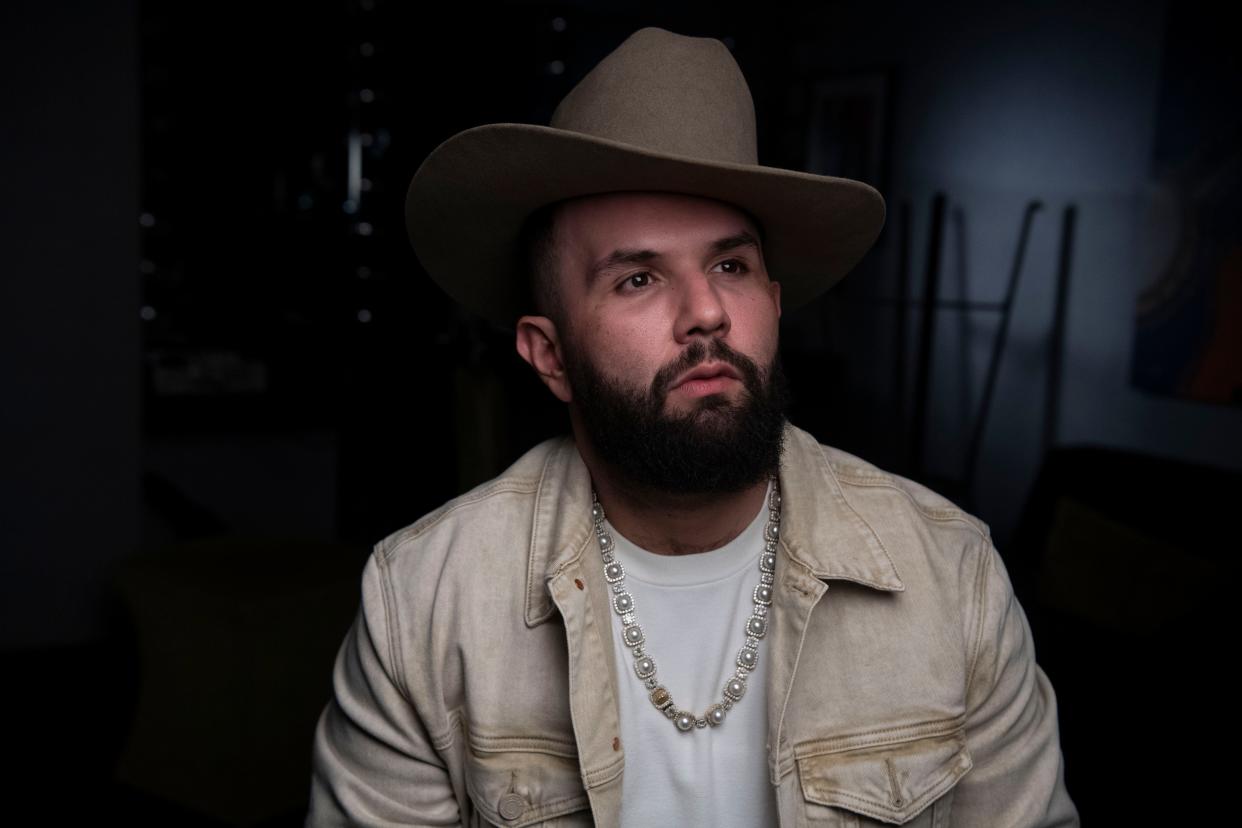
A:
{"x":671,"y":344}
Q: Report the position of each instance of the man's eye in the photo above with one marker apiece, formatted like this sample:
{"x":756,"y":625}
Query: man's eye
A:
{"x":637,"y":280}
{"x":738,"y":266}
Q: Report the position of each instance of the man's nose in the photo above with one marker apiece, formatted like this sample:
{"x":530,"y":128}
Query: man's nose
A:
{"x":701,"y":311}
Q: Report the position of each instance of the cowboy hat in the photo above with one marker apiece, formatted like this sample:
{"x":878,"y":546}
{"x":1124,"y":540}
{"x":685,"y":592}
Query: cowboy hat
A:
{"x":662,"y":112}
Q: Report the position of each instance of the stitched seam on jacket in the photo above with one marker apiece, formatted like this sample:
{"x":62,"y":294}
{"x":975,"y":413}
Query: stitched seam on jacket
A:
{"x":430,"y":521}
{"x":532,"y":813}
{"x":954,"y":515}
{"x":558,"y":805}
{"x":610,"y":770}
{"x":981,"y":579}
{"x":896,"y":735}
{"x":392,"y":634}
{"x":531,"y":576}
{"x":882,"y":810}
{"x":444,"y":742}
{"x":850,"y":506}
{"x":806,"y":623}
{"x":392,"y":626}
{"x":601,"y":775}
{"x":523,"y":744}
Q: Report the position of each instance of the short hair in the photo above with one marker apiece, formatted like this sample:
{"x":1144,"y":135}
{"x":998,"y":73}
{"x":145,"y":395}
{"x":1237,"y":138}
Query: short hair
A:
{"x":537,"y":247}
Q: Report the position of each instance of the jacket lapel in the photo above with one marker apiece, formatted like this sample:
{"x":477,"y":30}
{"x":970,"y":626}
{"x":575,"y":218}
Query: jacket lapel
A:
{"x":822,"y":539}
{"x":820,"y":530}
{"x":561,"y":528}
{"x":562,"y":575}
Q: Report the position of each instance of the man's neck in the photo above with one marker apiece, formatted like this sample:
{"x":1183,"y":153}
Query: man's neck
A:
{"x":670,"y":523}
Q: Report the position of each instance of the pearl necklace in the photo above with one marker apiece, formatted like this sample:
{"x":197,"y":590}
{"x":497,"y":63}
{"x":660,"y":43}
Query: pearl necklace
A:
{"x":632,"y":633}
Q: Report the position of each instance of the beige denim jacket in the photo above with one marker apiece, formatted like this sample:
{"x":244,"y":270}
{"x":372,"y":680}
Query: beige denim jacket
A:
{"x":477,"y":685}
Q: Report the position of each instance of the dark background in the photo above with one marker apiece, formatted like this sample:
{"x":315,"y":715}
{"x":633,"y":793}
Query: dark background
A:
{"x":224,"y":374}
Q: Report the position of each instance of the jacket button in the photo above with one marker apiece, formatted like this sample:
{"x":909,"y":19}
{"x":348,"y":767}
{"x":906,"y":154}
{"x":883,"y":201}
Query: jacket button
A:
{"x":511,"y":806}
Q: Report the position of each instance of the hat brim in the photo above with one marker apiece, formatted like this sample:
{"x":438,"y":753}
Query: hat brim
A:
{"x":467,"y":203}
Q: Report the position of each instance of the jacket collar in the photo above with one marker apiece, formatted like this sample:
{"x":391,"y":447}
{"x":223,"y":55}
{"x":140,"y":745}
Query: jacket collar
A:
{"x":820,"y":529}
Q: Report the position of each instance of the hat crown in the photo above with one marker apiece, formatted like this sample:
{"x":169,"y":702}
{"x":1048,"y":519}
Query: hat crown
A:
{"x":666,"y":93}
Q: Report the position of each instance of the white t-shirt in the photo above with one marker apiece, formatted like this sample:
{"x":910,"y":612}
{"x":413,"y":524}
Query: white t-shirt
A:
{"x":693,"y":610}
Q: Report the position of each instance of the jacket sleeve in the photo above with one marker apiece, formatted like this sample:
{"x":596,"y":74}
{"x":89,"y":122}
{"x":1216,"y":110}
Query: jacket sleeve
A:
{"x":373,"y":761}
{"x":1018,"y":776}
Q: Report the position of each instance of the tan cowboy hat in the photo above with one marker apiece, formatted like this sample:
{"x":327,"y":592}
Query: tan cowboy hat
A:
{"x":662,"y":112}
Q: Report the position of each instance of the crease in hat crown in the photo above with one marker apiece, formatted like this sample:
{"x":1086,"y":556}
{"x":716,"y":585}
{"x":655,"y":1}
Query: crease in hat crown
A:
{"x":662,"y":112}
{"x":667,"y":93}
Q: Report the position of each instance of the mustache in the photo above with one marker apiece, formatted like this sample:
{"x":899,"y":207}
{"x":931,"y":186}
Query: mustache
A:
{"x":698,"y":353}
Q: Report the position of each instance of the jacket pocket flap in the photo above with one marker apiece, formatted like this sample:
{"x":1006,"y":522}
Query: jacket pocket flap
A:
{"x":892,"y":783}
{"x":525,"y":781}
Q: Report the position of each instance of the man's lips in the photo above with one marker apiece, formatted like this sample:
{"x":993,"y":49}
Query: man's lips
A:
{"x":707,"y":378}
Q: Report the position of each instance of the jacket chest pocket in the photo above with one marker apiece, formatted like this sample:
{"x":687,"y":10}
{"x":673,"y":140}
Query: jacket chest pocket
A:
{"x":907,"y":783}
{"x":520,"y":788}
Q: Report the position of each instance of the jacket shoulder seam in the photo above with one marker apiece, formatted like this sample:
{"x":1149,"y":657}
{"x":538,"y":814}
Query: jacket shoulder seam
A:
{"x":980,"y":586}
{"x":388,"y":547}
{"x":392,"y":633}
{"x":392,"y":625}
{"x":950,"y":515}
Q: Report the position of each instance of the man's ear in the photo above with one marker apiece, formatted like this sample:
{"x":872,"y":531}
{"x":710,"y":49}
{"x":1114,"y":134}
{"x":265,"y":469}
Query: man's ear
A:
{"x":774,"y":288}
{"x":539,"y":343}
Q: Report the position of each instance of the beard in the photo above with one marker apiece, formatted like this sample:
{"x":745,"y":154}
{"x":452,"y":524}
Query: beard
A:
{"x":718,"y":446}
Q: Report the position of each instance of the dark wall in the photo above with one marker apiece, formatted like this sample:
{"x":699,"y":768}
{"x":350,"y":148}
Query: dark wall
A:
{"x":69,"y":298}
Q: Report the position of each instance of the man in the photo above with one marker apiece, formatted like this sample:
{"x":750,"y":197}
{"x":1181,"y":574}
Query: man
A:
{"x":690,"y":612}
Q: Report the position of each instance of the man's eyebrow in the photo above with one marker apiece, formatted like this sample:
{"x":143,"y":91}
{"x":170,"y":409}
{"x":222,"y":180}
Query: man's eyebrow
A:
{"x":623,"y":257}
{"x":742,"y":239}
{"x":617,"y":258}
